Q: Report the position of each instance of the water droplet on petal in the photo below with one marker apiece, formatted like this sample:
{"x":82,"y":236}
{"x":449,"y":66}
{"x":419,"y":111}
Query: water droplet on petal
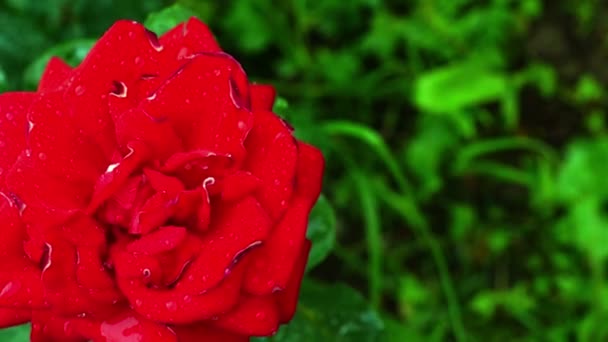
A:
{"x":171,"y":305}
{"x":260,"y":315}
{"x":79,"y":90}
{"x":10,"y":288}
{"x":42,"y":156}
{"x":9,"y":116}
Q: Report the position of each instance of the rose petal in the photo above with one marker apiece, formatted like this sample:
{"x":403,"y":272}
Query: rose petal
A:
{"x":156,"y":133}
{"x":287,"y":300}
{"x":197,"y":101}
{"x":124,"y":326}
{"x":309,"y":173}
{"x":11,"y":317}
{"x":62,"y":290}
{"x":13,"y":126}
{"x":181,"y":305}
{"x":254,"y":316}
{"x":20,"y":285}
{"x":193,"y":168}
{"x":273,"y":263}
{"x":271,"y":156}
{"x":42,"y":199}
{"x":238,"y":185}
{"x":117,"y":175}
{"x":189,"y":38}
{"x":56,"y":72}
{"x":186,"y":206}
{"x":123,"y":54}
{"x":159,"y":241}
{"x":195,"y":332}
{"x":235,"y":228}
{"x":71,"y":155}
{"x":155,"y":211}
{"x":262,"y":97}
{"x":163,"y":183}
{"x":132,"y":327}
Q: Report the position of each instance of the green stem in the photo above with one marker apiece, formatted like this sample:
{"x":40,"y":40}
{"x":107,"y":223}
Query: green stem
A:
{"x":373,"y":233}
{"x":401,"y":206}
{"x":375,"y":141}
{"x":405,"y":206}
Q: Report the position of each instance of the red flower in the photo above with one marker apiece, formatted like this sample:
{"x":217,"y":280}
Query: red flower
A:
{"x":150,"y":194}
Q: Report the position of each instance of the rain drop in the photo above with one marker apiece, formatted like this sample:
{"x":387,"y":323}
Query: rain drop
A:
{"x":260,"y":315}
{"x":171,"y":305}
{"x":9,"y":116}
{"x":79,"y":90}
{"x":10,"y":289}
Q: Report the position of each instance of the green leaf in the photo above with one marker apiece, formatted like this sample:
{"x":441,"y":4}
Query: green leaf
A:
{"x":164,"y":20}
{"x":72,"y":52}
{"x":584,"y":170}
{"x":334,"y":313}
{"x":321,"y":231}
{"x":459,"y":86}
{"x":20,"y":333}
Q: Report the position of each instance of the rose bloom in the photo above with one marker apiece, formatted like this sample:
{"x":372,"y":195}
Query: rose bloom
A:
{"x":150,"y":194}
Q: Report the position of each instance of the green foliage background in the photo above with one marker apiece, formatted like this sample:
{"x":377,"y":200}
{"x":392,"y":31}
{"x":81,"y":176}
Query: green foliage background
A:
{"x":466,"y":193}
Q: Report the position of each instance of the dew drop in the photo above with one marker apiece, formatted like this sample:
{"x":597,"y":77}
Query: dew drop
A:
{"x":138,"y":302}
{"x":9,"y":116}
{"x":79,"y":90}
{"x":242,"y":125}
{"x":42,"y":156}
{"x":171,"y":305}
{"x":260,"y":315}
{"x":10,"y":289}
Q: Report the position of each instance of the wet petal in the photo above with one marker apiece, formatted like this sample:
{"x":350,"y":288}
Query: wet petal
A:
{"x":159,"y":241}
{"x":238,"y":185}
{"x":262,"y":97}
{"x":156,"y":133}
{"x":13,"y":127}
{"x":155,"y":211}
{"x":194,"y":333}
{"x":71,"y":155}
{"x":235,"y":229}
{"x":189,"y":38}
{"x":254,"y":316}
{"x":42,"y":199}
{"x":182,"y":305}
{"x":287,"y":300}
{"x":198,"y":101}
{"x":117,"y":174}
{"x":272,"y":264}
{"x":271,"y":156}
{"x":163,"y":183}
{"x":20,"y":285}
{"x":56,"y":73}
{"x":11,"y":317}
{"x":132,"y":327}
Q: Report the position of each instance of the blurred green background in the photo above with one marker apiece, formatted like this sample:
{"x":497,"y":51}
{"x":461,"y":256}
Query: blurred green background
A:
{"x":466,"y":192}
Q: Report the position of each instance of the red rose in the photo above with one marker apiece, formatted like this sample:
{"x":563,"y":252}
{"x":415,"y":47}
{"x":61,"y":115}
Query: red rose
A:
{"x":150,"y":194}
